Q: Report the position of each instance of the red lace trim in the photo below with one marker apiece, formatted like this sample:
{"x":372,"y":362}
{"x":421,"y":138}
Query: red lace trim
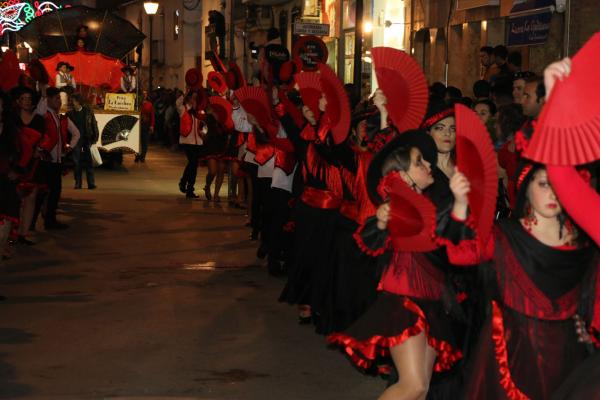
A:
{"x":363,"y":353}
{"x":501,"y":351}
{"x":366,"y":249}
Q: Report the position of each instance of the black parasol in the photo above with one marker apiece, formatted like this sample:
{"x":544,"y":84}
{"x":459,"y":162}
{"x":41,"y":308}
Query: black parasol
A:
{"x":56,"y":32}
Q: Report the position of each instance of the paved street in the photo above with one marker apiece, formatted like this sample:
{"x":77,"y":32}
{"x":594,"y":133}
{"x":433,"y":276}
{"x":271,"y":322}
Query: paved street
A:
{"x":150,"y":296}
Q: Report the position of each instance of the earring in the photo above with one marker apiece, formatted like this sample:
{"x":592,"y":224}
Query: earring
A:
{"x":530,"y":219}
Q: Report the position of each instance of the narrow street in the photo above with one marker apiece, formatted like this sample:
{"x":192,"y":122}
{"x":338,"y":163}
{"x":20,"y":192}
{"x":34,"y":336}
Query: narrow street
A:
{"x":148,"y":295}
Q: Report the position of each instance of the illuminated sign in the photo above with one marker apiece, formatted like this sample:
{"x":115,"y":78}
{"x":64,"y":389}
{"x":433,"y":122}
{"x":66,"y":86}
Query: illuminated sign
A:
{"x":15,"y":14}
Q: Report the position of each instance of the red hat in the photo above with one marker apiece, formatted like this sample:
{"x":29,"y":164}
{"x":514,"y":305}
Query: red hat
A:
{"x":193,"y":78}
{"x":475,"y":157}
{"x":234,"y":77}
{"x":38,"y":71}
{"x":404,"y":85}
{"x":254,"y":101}
{"x":567,"y":129}
{"x":412,"y":216}
{"x":217,"y":82}
{"x":9,"y":70}
{"x":309,"y":85}
{"x":222,"y":110}
{"x":337,"y":111}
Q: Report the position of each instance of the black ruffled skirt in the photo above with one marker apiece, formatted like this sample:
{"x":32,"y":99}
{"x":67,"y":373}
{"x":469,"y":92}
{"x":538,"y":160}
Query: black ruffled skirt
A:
{"x":310,"y":256}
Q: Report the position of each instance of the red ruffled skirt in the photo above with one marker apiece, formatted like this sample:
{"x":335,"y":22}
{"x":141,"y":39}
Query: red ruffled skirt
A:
{"x":389,"y":322}
{"x":520,"y":358}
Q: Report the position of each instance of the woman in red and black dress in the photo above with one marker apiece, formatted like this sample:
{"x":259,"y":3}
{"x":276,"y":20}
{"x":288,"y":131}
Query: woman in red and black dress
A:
{"x":412,"y":320}
{"x":542,"y":272}
{"x":215,"y":144}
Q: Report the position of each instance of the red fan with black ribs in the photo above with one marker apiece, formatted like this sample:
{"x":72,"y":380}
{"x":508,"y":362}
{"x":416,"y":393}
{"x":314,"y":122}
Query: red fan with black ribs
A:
{"x":412,"y":216}
{"x":337,"y":110}
{"x":223,"y":110}
{"x":476,"y":159}
{"x":568,"y":129}
{"x":254,"y":101}
{"x":404,"y":85}
{"x":217,"y":82}
{"x":309,"y":85}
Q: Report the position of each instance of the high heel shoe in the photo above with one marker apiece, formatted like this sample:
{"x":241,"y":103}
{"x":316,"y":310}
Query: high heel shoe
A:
{"x":182,"y":187}
{"x":207,"y":193}
{"x":191,"y":195}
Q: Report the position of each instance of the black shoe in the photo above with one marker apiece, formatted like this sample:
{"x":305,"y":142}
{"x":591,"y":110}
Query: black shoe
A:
{"x":77,"y":186}
{"x":137,"y":159}
{"x":275,"y":268}
{"x":23,"y":240}
{"x":191,"y":195}
{"x":142,"y":160}
{"x":207,"y":193}
{"x":56,"y":226}
{"x":92,"y":187}
{"x":182,"y":187}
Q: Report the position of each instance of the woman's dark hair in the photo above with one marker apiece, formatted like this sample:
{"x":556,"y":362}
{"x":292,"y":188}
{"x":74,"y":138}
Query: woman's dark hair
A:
{"x":511,"y":119}
{"x":481,"y":89}
{"x":398,"y":160}
{"x":489,"y":103}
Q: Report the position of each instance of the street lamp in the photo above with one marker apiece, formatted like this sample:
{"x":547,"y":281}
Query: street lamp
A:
{"x":151,"y":8}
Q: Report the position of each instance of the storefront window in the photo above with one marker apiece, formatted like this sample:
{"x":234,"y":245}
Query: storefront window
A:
{"x":349,"y":57}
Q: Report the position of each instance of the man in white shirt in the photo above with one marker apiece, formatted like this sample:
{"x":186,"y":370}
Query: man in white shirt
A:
{"x":55,"y":144}
{"x":128,"y":81}
{"x":65,"y":81}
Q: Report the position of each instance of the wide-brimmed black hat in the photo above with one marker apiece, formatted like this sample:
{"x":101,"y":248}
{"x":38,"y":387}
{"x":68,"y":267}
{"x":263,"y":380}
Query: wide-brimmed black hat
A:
{"x":437,"y":111}
{"x":61,"y":63}
{"x":414,"y":138}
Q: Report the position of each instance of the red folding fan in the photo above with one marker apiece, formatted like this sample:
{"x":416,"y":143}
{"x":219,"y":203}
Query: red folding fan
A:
{"x":338,"y":105}
{"x":475,"y":157}
{"x":217,"y":82}
{"x":309,"y":85}
{"x":254,"y":101}
{"x":234,"y":77}
{"x":404,"y":85}
{"x":567,"y":131}
{"x":412,"y":217}
{"x":193,"y":78}
{"x":223,"y":110}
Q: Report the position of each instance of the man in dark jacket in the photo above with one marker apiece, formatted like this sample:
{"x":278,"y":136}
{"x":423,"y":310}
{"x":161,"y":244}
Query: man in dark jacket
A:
{"x":84,"y":119}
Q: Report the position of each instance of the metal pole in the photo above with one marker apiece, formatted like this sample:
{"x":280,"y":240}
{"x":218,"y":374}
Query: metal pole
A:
{"x":150,"y":80}
{"x":567,"y":30}
{"x":358,"y":37}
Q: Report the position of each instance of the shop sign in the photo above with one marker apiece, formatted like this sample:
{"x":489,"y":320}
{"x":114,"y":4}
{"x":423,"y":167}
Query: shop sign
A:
{"x":306,"y":28}
{"x":311,"y":50}
{"x":529,"y":29}
{"x":119,"y":102}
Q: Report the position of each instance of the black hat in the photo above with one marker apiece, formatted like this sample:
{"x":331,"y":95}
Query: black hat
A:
{"x":414,"y":138}
{"x":61,"y":63}
{"x":437,"y":111}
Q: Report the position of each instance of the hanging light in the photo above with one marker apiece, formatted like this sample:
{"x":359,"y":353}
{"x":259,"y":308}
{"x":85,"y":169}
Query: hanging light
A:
{"x":151,"y":7}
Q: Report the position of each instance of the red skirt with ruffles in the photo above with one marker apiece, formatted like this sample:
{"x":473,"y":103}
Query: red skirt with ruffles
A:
{"x":389,"y":322}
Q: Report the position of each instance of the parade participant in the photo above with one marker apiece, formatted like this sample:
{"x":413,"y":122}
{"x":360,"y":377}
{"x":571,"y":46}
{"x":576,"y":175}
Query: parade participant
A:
{"x":65,"y":81}
{"x":32,"y":181}
{"x":55,"y":145}
{"x":509,"y":120}
{"x":543,"y":271}
{"x":410,"y":320}
{"x":191,"y":137}
{"x":9,"y":199}
{"x":214,"y":149}
{"x":83,"y":117}
{"x":241,"y":125}
{"x":128,"y":80}
{"x":327,"y":111}
{"x":147,"y":119}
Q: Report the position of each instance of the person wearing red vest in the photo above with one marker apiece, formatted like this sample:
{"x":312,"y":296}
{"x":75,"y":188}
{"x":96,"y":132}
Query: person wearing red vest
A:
{"x":54,"y":145}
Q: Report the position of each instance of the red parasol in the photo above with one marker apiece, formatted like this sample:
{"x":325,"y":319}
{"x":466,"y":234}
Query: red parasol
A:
{"x":404,"y":85}
{"x":91,"y":69}
{"x":338,"y":106}
{"x":567,"y":129}
{"x":475,"y":157}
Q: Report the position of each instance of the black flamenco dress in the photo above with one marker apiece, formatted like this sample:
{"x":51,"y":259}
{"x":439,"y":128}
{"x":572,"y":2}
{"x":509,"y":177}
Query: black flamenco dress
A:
{"x":528,"y":345}
{"x":417,"y":293}
{"x":314,"y":217}
{"x":215,"y":141}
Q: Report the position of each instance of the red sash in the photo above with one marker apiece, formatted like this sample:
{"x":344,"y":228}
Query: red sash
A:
{"x":319,"y":198}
